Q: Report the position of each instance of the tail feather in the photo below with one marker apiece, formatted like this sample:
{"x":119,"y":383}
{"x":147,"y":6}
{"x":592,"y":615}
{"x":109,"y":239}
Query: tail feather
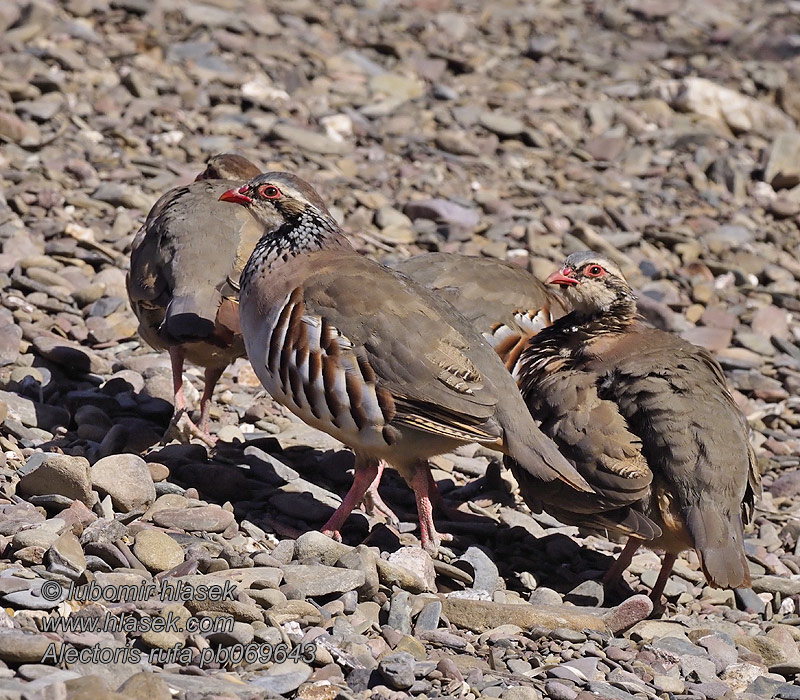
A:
{"x":718,"y":539}
{"x":193,"y":316}
{"x":585,"y":510}
{"x":538,"y":455}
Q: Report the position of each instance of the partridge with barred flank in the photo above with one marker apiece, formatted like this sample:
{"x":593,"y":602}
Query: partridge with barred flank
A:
{"x":370,"y":357}
{"x":181,"y":260}
{"x":646,"y":418}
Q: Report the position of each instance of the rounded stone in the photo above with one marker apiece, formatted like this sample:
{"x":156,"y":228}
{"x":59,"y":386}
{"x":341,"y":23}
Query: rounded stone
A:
{"x":157,"y":550}
{"x":145,"y":686}
{"x":126,"y":478}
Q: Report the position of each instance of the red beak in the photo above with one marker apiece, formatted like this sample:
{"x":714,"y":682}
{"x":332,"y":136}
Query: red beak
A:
{"x":236,"y":196}
{"x":562,"y":278}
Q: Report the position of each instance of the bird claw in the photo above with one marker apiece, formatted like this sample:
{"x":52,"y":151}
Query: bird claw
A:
{"x":182,"y":428}
{"x":431,"y":545}
{"x":335,"y":535}
{"x":374,"y":504}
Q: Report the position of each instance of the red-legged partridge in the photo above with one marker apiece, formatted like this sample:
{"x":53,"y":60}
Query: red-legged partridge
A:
{"x":181,"y":260}
{"x":370,"y":357}
{"x":509,"y":306}
{"x":506,"y":303}
{"x":646,"y":418}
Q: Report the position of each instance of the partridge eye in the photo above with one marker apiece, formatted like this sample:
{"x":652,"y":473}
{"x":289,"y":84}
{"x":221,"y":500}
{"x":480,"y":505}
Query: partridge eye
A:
{"x":269,"y":191}
{"x":594,"y":271}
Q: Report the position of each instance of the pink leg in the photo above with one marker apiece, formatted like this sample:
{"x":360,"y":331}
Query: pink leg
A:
{"x":210,"y":379}
{"x":180,"y":419}
{"x":373,"y":501}
{"x":365,"y":472}
{"x":663,"y":575}
{"x":176,"y":358}
{"x":421,"y":483}
{"x":614,"y":574}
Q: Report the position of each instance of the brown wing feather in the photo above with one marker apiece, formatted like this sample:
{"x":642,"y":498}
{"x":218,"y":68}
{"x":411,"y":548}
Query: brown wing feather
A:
{"x":673,"y":394}
{"x":596,"y":439}
{"x":461,"y":402}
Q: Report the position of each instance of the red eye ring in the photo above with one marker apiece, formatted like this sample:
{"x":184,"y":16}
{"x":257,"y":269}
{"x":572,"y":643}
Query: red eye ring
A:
{"x":269,"y":192}
{"x":594,"y":271}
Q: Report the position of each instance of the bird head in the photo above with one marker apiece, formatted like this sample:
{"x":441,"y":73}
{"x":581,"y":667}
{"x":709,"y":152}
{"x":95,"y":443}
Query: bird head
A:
{"x":593,"y":283}
{"x":228,"y":166}
{"x":276,"y":197}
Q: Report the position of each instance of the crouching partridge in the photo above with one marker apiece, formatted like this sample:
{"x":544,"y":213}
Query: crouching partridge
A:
{"x":504,"y":302}
{"x":509,"y":306}
{"x":181,"y":260}
{"x":370,"y":357}
{"x":647,"y":419}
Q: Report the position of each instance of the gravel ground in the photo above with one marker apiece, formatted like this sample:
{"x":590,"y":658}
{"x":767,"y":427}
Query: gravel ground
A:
{"x":662,"y":133}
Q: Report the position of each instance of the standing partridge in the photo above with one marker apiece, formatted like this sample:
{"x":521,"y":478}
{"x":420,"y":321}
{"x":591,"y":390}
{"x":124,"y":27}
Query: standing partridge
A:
{"x":507,"y":304}
{"x":370,"y":357}
{"x":647,"y":419}
{"x":181,"y":260}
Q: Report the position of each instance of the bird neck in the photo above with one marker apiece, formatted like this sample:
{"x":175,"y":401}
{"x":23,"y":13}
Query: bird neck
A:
{"x":617,"y":310}
{"x":592,"y":321}
{"x":304,"y":233}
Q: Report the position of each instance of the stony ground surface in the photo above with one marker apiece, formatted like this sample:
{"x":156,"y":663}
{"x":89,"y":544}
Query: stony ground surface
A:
{"x":661,"y":132}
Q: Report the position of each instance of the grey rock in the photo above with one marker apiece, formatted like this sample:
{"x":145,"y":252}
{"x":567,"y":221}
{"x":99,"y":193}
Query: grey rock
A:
{"x":103,"y":531}
{"x":199,"y":519}
{"x":672,"y":589}
{"x":607,"y":690}
{"x":400,"y":612}
{"x":74,"y":358}
{"x":120,"y":195}
{"x":782,"y":169}
{"x":540,"y":46}
{"x":10,"y":337}
{"x":501,"y":124}
{"x":556,"y":690}
{"x":145,"y":686}
{"x":242,"y":633}
{"x":776,"y":584}
{"x":679,"y":647}
{"x":416,"y":561}
{"x":65,"y":557}
{"x":703,"y":669}
{"x":315,"y":545}
{"x":428,"y":617}
{"x":19,"y":647}
{"x":35,"y":415}
{"x":545,"y":596}
{"x":283,"y":678}
{"x":308,"y":140}
{"x":397,"y":670}
{"x":363,"y":560}
{"x":31,"y":598}
{"x":41,"y":535}
{"x":565,"y":634}
{"x":444,"y":211}
{"x":318,"y":580}
{"x":748,"y":600}
{"x":157,"y":550}
{"x":590,"y":593}
{"x":62,"y":474}
{"x":126,"y":479}
{"x":484,"y":570}
{"x":521,"y":692}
